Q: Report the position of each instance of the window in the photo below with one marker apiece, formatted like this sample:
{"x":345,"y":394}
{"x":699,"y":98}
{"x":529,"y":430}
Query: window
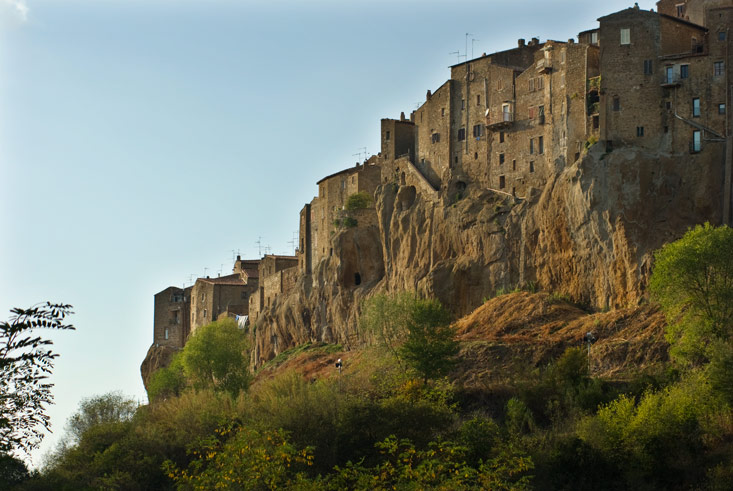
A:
{"x":166,"y":333}
{"x":501,"y":158}
{"x":435,"y":137}
{"x":540,"y":83}
{"x":541,"y":114}
{"x":718,"y":68}
{"x":478,"y":100}
{"x":475,"y":155}
{"x":531,"y":146}
{"x":616,"y":103}
{"x":531,"y":85}
{"x":625,"y":36}
{"x":594,"y":37}
{"x":514,"y":165}
{"x":442,"y":112}
{"x":463,"y":103}
{"x":531,"y":166}
{"x":696,"y":107}
{"x":501,"y":137}
{"x":531,"y":112}
{"x":721,"y":36}
{"x":461,"y":134}
{"x":502,"y":182}
{"x":499,"y":84}
{"x":696,"y":141}
{"x":541,"y":145}
{"x":721,"y":108}
{"x":175,"y":317}
{"x":668,"y":105}
{"x":648,"y":67}
{"x":478,"y":130}
{"x":386,"y":136}
{"x":204,"y":313}
{"x":639,"y":131}
{"x":684,"y":71}
{"x":680,"y":9}
{"x":669,"y":75}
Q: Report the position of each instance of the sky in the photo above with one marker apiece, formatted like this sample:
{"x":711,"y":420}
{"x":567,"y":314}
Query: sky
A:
{"x":144,"y":143}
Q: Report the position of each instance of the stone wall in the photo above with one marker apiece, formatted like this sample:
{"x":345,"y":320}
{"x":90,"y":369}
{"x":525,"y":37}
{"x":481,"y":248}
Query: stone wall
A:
{"x":171,"y":318}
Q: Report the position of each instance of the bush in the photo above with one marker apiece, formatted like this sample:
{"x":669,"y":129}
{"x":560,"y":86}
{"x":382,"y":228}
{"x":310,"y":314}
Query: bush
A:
{"x":359,"y":201}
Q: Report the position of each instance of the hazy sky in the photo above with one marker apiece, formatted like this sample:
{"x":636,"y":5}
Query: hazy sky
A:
{"x":142,"y":141}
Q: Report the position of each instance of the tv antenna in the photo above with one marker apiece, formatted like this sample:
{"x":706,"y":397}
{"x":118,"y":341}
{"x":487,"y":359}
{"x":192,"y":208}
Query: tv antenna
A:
{"x":466,"y":50}
{"x":268,"y":250}
{"x":205,"y":269}
{"x":362,"y":150}
{"x":258,"y":242}
{"x":294,"y":242}
{"x":473,"y":40}
{"x":458,"y":55}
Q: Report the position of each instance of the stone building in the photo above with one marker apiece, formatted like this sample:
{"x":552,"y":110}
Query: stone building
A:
{"x":211,"y":297}
{"x":317,"y":219}
{"x":171,"y":317}
{"x":277,"y":276}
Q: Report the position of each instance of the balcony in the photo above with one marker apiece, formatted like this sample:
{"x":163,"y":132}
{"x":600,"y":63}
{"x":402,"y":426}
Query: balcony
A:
{"x":496,"y":120}
{"x":543,"y":66}
{"x":671,"y":81}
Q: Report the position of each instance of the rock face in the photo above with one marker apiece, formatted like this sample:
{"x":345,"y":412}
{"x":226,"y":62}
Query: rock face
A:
{"x":589,"y":233}
{"x":158,"y":356}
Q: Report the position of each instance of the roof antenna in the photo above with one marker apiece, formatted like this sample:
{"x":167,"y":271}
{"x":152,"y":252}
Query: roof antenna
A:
{"x":458,"y":55}
{"x":473,"y":40}
{"x":259,"y":246}
{"x":466,"y":50}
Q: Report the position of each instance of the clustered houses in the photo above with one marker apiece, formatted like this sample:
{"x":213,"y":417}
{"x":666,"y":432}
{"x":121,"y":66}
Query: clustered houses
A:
{"x":507,"y":121}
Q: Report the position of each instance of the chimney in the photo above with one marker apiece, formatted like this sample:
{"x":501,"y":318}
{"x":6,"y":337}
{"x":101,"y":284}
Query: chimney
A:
{"x":571,"y":41}
{"x":535,"y":41}
{"x":239,"y":258}
{"x":520,"y":43}
{"x":402,"y":116}
{"x":412,"y":116}
{"x":429,"y":95}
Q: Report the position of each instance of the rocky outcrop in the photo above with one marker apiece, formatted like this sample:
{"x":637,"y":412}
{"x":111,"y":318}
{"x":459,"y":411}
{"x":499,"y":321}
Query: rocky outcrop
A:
{"x":589,"y":233}
{"x":158,"y":356}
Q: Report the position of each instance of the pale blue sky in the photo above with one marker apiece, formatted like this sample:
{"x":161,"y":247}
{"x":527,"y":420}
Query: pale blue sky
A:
{"x":143,"y":141}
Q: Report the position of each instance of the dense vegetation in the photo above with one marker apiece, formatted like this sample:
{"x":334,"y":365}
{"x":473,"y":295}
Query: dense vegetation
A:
{"x":394,"y":420}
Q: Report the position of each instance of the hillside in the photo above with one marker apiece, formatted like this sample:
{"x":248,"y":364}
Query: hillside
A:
{"x":514,"y":333}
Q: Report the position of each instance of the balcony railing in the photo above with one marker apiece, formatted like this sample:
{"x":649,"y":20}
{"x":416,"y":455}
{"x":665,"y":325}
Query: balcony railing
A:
{"x":544,"y":66}
{"x":671,"y":81}
{"x":500,"y":118}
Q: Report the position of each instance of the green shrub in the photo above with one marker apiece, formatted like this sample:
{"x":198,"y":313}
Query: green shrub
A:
{"x":359,"y":201}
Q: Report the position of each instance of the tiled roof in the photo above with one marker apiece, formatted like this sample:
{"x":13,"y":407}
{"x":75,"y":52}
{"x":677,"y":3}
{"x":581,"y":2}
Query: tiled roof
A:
{"x":231,"y":279}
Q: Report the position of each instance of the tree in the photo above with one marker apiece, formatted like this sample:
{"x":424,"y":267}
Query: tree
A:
{"x":431,"y":347}
{"x":216,"y":356}
{"x":416,"y":331}
{"x":693,"y":282}
{"x":386,"y":316}
{"x":26,"y":362}
{"x":112,"y":407}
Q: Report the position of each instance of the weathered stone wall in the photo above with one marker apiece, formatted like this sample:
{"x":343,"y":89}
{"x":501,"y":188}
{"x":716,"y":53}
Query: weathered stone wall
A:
{"x":433,"y":121}
{"x":171,"y":318}
{"x":398,"y":138}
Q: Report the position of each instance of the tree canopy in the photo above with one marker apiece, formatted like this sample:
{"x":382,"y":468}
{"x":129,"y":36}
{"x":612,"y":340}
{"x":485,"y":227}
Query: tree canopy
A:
{"x":693,"y":282}
{"x":26,"y":361}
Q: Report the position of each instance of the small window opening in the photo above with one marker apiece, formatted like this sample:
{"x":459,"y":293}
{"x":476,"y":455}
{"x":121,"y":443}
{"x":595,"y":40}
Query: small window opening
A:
{"x":531,"y":166}
{"x":357,"y":279}
{"x":386,"y":136}
{"x":502,"y":182}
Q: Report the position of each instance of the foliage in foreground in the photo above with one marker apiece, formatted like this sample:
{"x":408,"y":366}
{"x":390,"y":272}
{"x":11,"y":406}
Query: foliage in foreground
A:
{"x":26,"y":361}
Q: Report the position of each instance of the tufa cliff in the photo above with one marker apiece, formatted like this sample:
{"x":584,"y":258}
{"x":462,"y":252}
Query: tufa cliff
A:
{"x":589,"y":234}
